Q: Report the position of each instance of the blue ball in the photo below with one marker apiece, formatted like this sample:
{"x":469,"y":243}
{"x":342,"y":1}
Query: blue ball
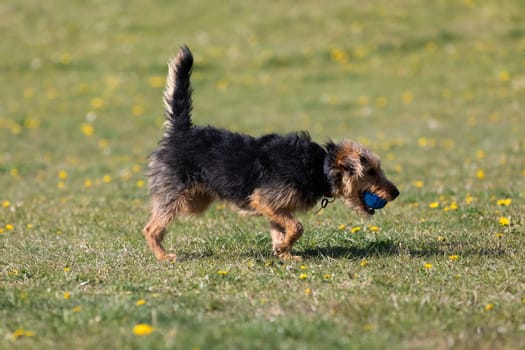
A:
{"x":373,"y":201}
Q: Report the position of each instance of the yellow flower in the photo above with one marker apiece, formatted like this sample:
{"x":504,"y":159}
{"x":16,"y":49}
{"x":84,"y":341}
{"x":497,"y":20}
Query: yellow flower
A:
{"x":327,"y":276}
{"x":67,"y":269}
{"x":499,"y":235}
{"x":106,"y":179}
{"x":427,"y":266}
{"x":97,"y":103}
{"x":341,"y":227}
{"x":88,"y":183}
{"x":373,"y":228}
{"x":355,"y":229}
{"x":303,"y":267}
{"x":20,"y":332}
{"x":77,"y":309}
{"x":480,"y":174}
{"x":87,"y":129}
{"x":140,"y":183}
{"x":433,"y":205}
{"x":407,"y":97}
{"x":29,"y":226}
{"x":142,"y":329}
{"x":504,"y":75}
{"x":504,"y":202}
{"x":418,"y":184}
{"x":6,"y":204}
{"x":9,"y":227}
{"x":303,"y":276}
{"x":453,"y":257}
{"x":504,"y":221}
{"x":363,"y":263}
{"x":363,"y":101}
{"x":452,"y":206}
{"x":140,"y":302}
{"x":62,"y":174}
{"x":222,"y":272}
{"x":381,"y":102}
{"x":338,"y":55}
{"x":137,"y":110}
{"x":489,"y":307}
{"x":156,"y":81}
{"x":469,"y":199}
{"x":308,"y":291}
{"x":67,"y":295}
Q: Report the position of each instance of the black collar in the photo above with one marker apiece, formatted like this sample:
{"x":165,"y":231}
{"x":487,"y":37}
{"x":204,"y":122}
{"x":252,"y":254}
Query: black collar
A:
{"x":326,"y":172}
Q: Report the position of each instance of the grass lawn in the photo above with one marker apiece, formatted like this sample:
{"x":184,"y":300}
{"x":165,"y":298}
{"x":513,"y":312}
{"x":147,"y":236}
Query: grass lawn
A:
{"x":436,"y":88}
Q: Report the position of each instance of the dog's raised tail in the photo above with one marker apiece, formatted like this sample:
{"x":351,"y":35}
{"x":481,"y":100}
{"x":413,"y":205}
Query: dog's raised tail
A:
{"x":177,"y":93}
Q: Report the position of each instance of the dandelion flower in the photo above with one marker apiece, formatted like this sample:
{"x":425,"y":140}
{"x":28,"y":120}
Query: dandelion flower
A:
{"x":428,"y":266}
{"x":373,"y":228}
{"x":97,"y":103}
{"x":62,"y":174}
{"x":6,"y":204}
{"x":137,"y":110}
{"x":156,"y":81}
{"x":308,"y":291}
{"x":67,"y":269}
{"x":140,"y":183}
{"x":88,"y":183}
{"x":504,"y":221}
{"x":303,"y":276}
{"x":499,"y":235}
{"x":142,"y":329}
{"x":504,"y":202}
{"x":407,"y":97}
{"x":433,"y":205}
{"x":140,"y":302}
{"x":67,"y":295}
{"x":303,"y":267}
{"x":222,"y":272}
{"x":341,"y":227}
{"x":363,"y":263}
{"x":480,"y":174}
{"x":469,"y":199}
{"x":327,"y":276}
{"x":355,"y":229}
{"x":453,"y":257}
{"x":504,"y":76}
{"x":489,"y":307}
{"x":418,"y":184}
{"x":20,"y":332}
{"x":106,"y":179}
{"x":87,"y":129}
{"x":9,"y":227}
{"x":77,"y":309}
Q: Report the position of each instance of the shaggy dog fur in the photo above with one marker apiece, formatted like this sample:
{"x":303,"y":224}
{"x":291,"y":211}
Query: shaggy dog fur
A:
{"x":272,"y":175}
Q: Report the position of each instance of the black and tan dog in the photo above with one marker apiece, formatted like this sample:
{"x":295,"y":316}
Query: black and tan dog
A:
{"x":272,"y":175}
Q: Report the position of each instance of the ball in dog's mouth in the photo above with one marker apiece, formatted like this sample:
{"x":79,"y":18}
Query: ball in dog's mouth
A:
{"x":372,"y":202}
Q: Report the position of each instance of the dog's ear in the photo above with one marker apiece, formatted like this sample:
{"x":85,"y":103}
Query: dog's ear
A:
{"x":351,"y":164}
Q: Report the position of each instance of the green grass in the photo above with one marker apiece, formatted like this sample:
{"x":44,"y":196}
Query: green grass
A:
{"x":435,"y":88}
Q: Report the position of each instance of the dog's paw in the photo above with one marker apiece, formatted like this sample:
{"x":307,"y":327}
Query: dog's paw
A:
{"x":287,"y":256}
{"x":172,"y":258}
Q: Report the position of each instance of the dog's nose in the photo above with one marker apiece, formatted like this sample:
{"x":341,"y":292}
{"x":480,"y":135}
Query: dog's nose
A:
{"x":394,"y":192}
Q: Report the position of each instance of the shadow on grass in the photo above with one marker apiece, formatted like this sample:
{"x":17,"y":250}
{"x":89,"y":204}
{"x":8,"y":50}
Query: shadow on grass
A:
{"x":390,"y":248}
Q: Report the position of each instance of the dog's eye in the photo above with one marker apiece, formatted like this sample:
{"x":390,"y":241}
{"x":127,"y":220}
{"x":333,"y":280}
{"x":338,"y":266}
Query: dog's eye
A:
{"x":363,"y":160}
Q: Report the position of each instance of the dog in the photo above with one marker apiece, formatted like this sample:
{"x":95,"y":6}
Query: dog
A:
{"x":272,"y":175}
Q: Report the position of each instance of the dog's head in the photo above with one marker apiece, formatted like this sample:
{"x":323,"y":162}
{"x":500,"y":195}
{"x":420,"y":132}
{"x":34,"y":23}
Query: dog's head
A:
{"x":353,"y":169}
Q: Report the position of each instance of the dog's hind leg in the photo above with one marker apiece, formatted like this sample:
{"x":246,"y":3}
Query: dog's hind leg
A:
{"x":155,"y":229}
{"x":191,"y":201}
